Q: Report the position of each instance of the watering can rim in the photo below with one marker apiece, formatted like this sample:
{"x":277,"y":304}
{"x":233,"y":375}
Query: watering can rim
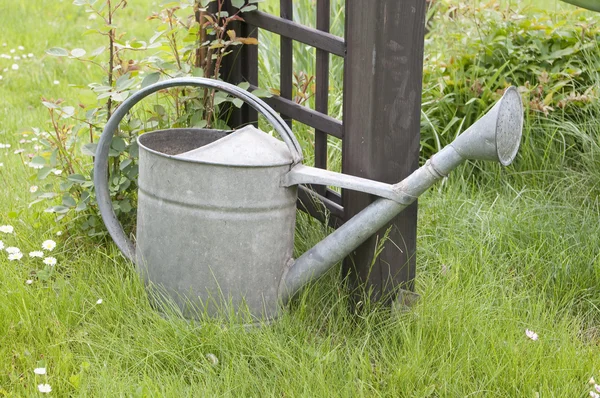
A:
{"x":284,"y":160}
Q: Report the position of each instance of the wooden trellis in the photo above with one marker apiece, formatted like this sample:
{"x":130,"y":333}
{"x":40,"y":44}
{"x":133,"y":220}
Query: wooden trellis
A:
{"x":383,"y":61}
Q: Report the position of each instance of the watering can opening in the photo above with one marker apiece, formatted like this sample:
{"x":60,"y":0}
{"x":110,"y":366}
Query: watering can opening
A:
{"x":246,"y":147}
{"x":175,"y":141}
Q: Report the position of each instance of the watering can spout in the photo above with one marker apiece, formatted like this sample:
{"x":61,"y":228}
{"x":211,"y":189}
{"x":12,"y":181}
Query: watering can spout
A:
{"x":496,"y":136}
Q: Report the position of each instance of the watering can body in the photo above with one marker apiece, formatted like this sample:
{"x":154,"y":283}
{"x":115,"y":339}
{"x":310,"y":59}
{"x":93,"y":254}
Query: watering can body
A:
{"x":214,"y":223}
{"x":216,"y":209}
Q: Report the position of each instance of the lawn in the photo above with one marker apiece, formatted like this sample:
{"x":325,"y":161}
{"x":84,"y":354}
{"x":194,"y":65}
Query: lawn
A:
{"x":500,"y":252}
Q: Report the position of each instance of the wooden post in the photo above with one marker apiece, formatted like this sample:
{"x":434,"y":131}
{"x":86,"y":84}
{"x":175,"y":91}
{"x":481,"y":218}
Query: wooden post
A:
{"x":382,"y":104}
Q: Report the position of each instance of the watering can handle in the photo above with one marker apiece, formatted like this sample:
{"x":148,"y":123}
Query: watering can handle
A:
{"x":101,"y":162}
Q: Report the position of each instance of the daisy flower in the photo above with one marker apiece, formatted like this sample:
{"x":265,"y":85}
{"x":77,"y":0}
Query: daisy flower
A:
{"x":44,"y":388}
{"x":15,"y":256}
{"x":531,"y":334}
{"x":99,"y":301}
{"x":39,"y":371}
{"x":51,"y":261}
{"x":13,"y":250}
{"x":7,"y":229}
{"x":48,"y":245}
{"x":37,"y":253}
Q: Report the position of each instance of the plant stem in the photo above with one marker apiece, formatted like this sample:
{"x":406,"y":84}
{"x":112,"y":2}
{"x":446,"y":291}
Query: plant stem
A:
{"x":59,"y":143}
{"x":111,"y":60}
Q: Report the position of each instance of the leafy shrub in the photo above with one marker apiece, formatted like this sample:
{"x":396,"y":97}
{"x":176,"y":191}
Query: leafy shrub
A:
{"x":474,"y":52}
{"x":191,"y":38}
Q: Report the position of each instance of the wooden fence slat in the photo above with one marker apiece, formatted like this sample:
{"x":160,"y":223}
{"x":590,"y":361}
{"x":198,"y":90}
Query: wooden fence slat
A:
{"x":286,"y":57}
{"x":324,"y":41}
{"x":305,"y":115}
{"x":236,"y":72}
{"x":322,"y":88}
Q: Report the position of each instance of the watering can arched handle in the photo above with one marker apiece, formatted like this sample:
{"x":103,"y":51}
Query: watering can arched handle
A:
{"x":101,"y":162}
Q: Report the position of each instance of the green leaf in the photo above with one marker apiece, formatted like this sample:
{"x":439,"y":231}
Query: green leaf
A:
{"x":57,"y":209}
{"x":150,"y":79}
{"x":118,"y":144}
{"x":97,"y":51}
{"x":262,"y":93}
{"x":593,"y":5}
{"x":197,"y":72}
{"x":76,"y":178}
{"x":125,"y":206}
{"x":38,"y":161}
{"x":237,"y":102}
{"x":43,"y":275}
{"x":238,"y":3}
{"x":89,"y":149}
{"x":43,"y":173}
{"x":67,"y":111}
{"x":75,"y":380}
{"x":124,"y":82}
{"x":244,"y":85}
{"x":125,"y":163}
{"x":78,"y":52}
{"x":68,"y":201}
{"x":122,"y":96}
{"x":66,"y":185}
{"x":57,"y":52}
{"x":50,"y":105}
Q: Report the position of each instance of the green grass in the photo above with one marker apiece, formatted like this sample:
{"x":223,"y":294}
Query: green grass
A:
{"x":517,"y":250}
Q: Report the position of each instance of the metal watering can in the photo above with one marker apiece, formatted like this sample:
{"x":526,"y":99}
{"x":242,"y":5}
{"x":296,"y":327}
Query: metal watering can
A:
{"x":217,"y":210}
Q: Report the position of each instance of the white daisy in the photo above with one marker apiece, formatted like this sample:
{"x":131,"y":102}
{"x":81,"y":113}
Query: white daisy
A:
{"x":48,"y":245}
{"x":13,"y":250}
{"x":44,"y":388}
{"x":51,"y":261}
{"x":1,"y":245}
{"x":39,"y":371}
{"x":38,"y":253}
{"x":99,"y":301}
{"x":33,"y":188}
{"x":14,"y":67}
{"x":29,"y":281}
{"x":15,"y":256}
{"x":7,"y":229}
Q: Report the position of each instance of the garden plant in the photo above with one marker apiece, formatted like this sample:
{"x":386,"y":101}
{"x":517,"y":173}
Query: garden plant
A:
{"x":508,"y":259}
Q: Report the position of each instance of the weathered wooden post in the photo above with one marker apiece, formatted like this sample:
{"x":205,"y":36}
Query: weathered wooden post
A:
{"x":382,"y":105}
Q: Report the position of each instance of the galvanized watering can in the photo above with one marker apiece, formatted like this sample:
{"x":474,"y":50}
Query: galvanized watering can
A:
{"x":216,"y":210}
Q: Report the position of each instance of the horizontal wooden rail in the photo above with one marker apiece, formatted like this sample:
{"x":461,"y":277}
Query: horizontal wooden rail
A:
{"x":305,"y":115}
{"x":324,"y":41}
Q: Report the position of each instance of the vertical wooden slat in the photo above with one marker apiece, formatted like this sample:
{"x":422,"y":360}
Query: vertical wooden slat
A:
{"x":322,"y":89}
{"x":382,"y":101}
{"x":286,"y":56}
{"x":249,"y":61}
{"x":234,"y":70}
